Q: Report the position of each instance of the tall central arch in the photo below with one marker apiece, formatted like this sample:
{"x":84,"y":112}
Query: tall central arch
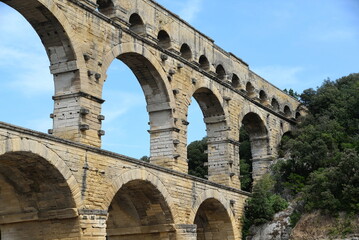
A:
{"x":159,"y":99}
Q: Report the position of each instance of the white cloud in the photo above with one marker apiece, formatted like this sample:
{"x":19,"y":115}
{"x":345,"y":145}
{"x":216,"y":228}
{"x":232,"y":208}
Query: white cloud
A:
{"x":280,"y":76}
{"x":191,"y":9}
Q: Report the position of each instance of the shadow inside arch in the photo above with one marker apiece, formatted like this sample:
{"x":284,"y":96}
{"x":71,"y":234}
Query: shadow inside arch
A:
{"x":213,"y":221}
{"x":139,"y":210}
{"x":34,"y":194}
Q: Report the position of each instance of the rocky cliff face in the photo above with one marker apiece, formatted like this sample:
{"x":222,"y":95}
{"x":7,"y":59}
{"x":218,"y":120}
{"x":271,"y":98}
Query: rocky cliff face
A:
{"x":313,"y":226}
{"x":278,"y":229}
{"x":316,"y":226}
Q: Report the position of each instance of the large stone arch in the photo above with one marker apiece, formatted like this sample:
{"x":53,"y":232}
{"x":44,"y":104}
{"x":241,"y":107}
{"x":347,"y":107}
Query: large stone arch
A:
{"x":58,"y":37}
{"x":137,"y":174}
{"x":259,"y":137}
{"x":139,"y":206}
{"x":141,"y":50}
{"x":36,"y":148}
{"x":223,"y":165}
{"x":38,"y":190}
{"x":223,"y":206}
{"x":159,"y":98}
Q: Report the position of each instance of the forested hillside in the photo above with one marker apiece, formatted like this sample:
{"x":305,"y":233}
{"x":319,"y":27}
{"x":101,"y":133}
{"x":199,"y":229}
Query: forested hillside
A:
{"x":321,"y":166}
{"x":322,"y":171}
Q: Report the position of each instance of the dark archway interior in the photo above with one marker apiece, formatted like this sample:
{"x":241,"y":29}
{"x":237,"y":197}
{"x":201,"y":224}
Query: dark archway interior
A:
{"x":235,"y":81}
{"x":186,"y":52}
{"x":136,"y":24}
{"x":297,"y":115}
{"x":275,"y":104}
{"x":221,"y":73}
{"x":213,"y":222}
{"x":254,"y":125}
{"x":263,"y":97}
{"x":287,"y":111}
{"x":204,"y":63}
{"x":139,"y":211}
{"x":106,"y":7}
{"x":250,"y":89}
{"x":164,"y":39}
{"x":29,"y":184}
{"x":258,"y":135}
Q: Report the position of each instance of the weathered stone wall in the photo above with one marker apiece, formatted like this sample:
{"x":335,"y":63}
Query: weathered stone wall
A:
{"x":70,"y":190}
{"x":173,"y":63}
{"x":76,"y":189}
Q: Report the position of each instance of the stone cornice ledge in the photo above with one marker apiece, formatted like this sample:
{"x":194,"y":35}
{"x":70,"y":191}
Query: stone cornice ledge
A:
{"x":33,"y":133}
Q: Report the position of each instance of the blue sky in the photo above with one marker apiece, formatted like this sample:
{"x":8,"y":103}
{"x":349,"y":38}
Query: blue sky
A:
{"x":293,"y":44}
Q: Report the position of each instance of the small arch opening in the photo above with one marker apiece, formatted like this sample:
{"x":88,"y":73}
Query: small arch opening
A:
{"x":105,"y":7}
{"x":287,"y":111}
{"x":164,"y":40}
{"x":136,"y":24}
{"x":298,"y":115}
{"x":263,"y":97}
{"x":186,"y":52}
{"x":275,"y":104}
{"x":204,"y":63}
{"x":249,"y":89}
{"x":235,"y":81}
{"x":221,"y":73}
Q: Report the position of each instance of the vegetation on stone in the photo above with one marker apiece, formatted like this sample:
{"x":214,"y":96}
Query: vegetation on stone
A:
{"x":197,"y":156}
{"x":263,"y":204}
{"x":245,"y":161}
{"x":324,"y":160}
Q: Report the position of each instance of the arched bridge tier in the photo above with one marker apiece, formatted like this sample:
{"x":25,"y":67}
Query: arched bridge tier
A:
{"x":173,"y":62}
{"x":68,"y":187}
{"x":54,"y":187}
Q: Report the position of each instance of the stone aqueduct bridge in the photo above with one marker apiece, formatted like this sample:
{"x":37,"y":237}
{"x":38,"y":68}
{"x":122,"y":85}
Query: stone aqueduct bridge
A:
{"x":65,"y":187}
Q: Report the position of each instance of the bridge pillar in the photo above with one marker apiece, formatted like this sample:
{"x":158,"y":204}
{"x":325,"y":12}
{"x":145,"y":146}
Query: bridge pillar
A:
{"x":261,"y":156}
{"x":163,"y":151}
{"x":186,"y":231}
{"x":260,"y":166}
{"x":77,"y":118}
{"x":93,"y":224}
{"x":223,"y":153}
{"x":76,"y":115}
{"x":164,"y":140}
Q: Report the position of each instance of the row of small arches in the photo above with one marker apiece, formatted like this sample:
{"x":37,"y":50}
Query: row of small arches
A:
{"x":164,"y":41}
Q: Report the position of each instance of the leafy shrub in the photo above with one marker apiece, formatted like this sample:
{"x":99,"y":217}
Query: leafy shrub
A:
{"x":264,"y":203}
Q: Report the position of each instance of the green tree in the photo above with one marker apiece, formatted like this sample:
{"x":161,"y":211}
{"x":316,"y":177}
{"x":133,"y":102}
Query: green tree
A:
{"x":245,"y":154}
{"x":145,"y":158}
{"x":197,"y":156}
{"x":292,"y":93}
{"x":263,"y":204}
{"x":324,"y":148}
